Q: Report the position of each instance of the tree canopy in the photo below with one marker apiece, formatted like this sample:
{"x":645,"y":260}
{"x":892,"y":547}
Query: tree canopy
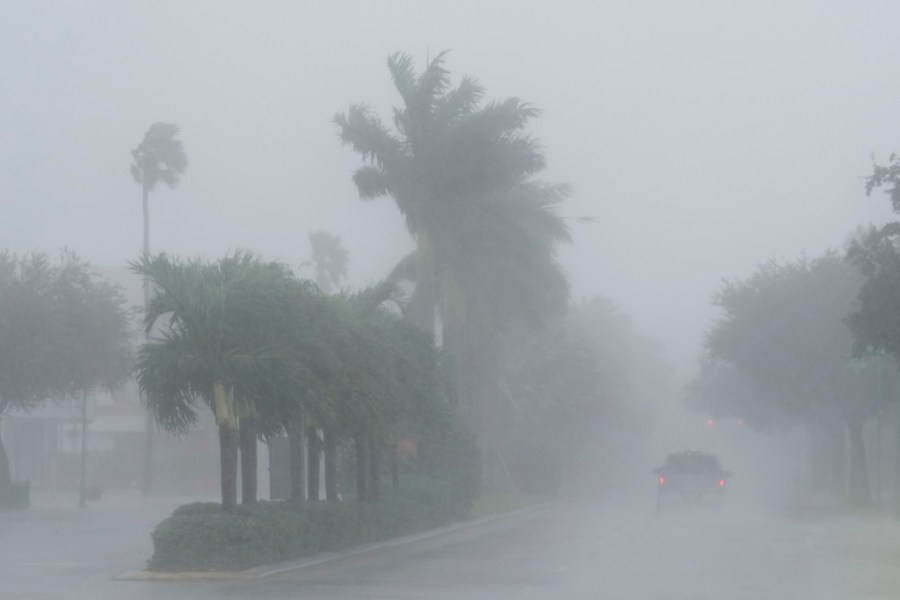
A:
{"x":62,"y":331}
{"x":784,"y":334}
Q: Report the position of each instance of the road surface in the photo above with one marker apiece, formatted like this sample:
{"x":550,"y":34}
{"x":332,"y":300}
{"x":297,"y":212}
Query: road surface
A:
{"x":569,"y":550}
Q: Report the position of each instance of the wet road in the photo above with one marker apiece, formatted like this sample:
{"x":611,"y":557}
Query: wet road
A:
{"x":577,"y":551}
{"x":570,"y":550}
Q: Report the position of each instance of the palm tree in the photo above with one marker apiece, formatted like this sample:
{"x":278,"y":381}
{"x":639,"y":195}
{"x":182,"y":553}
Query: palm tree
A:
{"x":462,"y":175}
{"x":329,"y":259}
{"x":216,"y":344}
{"x":447,"y":151}
{"x":158,"y":158}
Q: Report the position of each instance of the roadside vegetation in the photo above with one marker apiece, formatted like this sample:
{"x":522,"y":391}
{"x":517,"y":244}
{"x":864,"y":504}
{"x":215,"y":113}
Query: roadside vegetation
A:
{"x":467,"y":368}
{"x":809,"y":344}
{"x":357,"y":377}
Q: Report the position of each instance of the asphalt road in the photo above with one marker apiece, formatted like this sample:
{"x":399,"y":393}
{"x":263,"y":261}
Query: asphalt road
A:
{"x":569,"y":550}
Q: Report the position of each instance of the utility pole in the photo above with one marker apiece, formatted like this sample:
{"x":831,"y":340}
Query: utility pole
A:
{"x":149,"y":425}
{"x":879,"y":402}
{"x":82,"y":494}
{"x":897,"y":455}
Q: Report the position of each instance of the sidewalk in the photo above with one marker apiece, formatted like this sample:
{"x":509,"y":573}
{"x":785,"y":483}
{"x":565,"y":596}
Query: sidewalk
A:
{"x":55,"y":546}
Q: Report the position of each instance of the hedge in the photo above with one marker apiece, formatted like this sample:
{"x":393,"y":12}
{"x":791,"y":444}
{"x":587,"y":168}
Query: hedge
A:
{"x":202,"y":536}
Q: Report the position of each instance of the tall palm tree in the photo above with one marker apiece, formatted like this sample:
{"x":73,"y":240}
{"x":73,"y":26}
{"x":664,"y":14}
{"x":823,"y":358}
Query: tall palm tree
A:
{"x":159,"y":158}
{"x":461,"y":172}
{"x":447,"y":150}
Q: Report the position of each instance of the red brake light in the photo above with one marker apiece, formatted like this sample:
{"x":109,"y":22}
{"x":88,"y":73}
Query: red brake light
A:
{"x":662,"y":480}
{"x":721,"y":483}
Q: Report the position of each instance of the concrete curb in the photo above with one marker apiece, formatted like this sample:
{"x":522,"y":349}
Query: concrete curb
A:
{"x":265,"y":571}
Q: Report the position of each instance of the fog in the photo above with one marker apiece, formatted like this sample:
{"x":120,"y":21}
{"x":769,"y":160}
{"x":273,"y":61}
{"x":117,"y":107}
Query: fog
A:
{"x":700,"y":139}
{"x":704,"y":139}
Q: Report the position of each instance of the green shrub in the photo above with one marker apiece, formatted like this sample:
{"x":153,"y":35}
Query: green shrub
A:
{"x":454,"y":458}
{"x":201,"y":536}
{"x":197,"y":508}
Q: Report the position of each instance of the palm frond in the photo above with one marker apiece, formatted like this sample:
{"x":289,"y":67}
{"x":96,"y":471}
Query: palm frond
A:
{"x":367,"y":135}
{"x":401,"y":66}
{"x":458,"y":103}
{"x":406,"y":269}
{"x":372,"y":182}
{"x":432,"y":83}
{"x":160,"y":157}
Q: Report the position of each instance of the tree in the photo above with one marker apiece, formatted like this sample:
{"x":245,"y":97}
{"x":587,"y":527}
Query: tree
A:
{"x":159,"y":158}
{"x":785,"y":330}
{"x":217,"y":344}
{"x":461,"y":172}
{"x":447,"y":152}
{"x":329,"y":259}
{"x":62,"y":331}
{"x":886,"y":176}
{"x":581,"y":393}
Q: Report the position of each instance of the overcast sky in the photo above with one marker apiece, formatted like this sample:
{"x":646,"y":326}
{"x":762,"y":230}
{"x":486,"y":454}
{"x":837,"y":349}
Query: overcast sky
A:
{"x":704,"y":137}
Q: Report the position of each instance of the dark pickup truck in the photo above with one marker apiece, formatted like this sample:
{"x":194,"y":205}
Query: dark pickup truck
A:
{"x":690,"y":476}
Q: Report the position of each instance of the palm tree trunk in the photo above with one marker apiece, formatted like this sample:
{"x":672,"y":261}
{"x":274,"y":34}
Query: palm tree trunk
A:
{"x":395,"y":467}
{"x":361,"y":470}
{"x":5,"y":477}
{"x":330,"y":450}
{"x":248,"y":459}
{"x":313,"y":458}
{"x":859,"y":473}
{"x":149,"y":424}
{"x":228,"y":460}
{"x":295,"y":443}
{"x":425,"y":294}
{"x":374,"y":468}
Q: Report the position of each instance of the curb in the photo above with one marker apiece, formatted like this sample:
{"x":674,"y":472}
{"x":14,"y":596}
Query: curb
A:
{"x":265,"y":571}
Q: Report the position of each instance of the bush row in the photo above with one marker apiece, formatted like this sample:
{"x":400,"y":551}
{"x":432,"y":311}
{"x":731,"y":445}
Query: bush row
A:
{"x":201,"y":536}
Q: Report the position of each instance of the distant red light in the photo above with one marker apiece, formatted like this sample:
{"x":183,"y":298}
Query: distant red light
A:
{"x":710,"y":422}
{"x":721,"y":483}
{"x":662,"y":480}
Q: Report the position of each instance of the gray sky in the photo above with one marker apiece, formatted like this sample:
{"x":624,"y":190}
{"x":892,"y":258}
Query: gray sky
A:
{"x":704,"y":137}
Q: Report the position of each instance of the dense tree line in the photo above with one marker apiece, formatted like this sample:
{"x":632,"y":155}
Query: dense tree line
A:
{"x":269,"y":353}
{"x":800,"y":344}
{"x":782,"y":355}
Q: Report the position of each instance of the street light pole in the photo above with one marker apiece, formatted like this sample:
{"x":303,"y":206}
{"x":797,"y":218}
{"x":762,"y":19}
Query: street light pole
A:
{"x":82,"y":495}
{"x":879,"y":401}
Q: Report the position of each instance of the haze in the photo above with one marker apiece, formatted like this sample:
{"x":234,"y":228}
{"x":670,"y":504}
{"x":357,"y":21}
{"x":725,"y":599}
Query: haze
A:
{"x":703,"y":138}
{"x":700,"y":140}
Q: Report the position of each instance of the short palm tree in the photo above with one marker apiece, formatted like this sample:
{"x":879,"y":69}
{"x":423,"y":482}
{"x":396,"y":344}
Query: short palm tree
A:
{"x":217,"y":325}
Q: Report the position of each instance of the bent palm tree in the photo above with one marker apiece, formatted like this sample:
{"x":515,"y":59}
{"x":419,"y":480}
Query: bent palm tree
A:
{"x":462,"y":175}
{"x":159,"y":158}
{"x":447,"y":152}
{"x":216,"y":345}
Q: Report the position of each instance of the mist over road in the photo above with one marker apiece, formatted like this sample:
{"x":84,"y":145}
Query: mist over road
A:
{"x":583,"y":551}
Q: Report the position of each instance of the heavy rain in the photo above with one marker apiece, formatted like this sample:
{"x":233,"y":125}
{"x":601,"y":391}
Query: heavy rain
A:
{"x":481,"y":299}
